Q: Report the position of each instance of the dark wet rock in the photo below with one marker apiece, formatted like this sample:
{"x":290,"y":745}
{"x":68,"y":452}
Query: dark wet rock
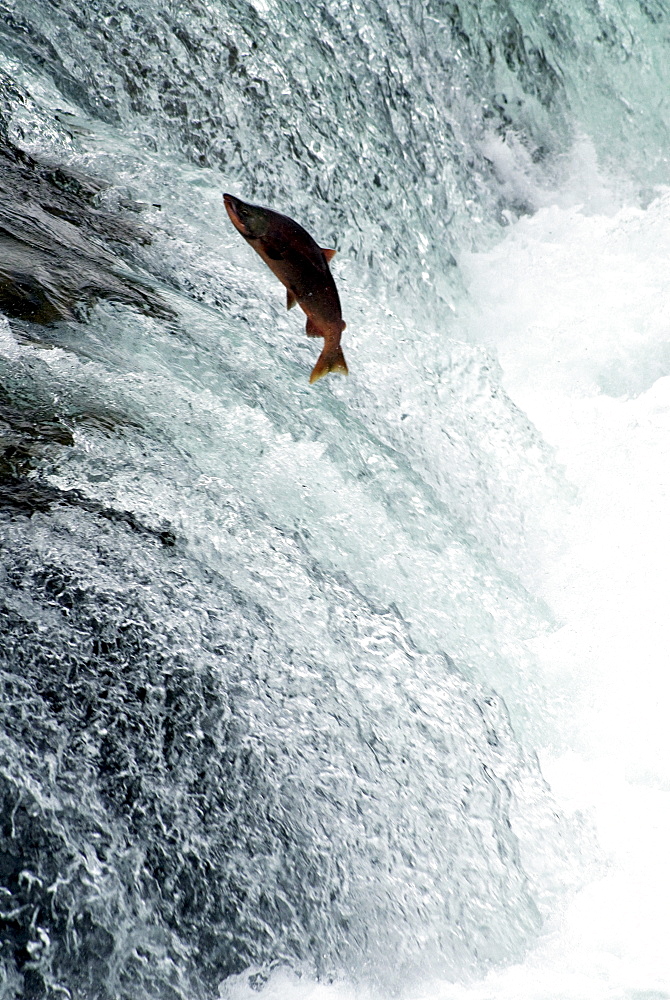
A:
{"x":23,"y":425}
{"x":28,"y":496}
{"x":26,"y":433}
{"x":57,"y":249}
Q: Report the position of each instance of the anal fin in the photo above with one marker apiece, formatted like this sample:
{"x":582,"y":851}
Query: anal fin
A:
{"x":328,"y":254}
{"x":290,"y":299}
{"x":312,"y":329}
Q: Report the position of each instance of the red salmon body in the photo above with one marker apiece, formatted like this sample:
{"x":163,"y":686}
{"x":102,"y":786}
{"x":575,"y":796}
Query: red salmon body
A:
{"x":302,"y":267}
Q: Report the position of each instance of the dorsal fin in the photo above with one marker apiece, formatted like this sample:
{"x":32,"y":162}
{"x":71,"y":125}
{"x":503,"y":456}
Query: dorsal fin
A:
{"x":328,"y":254}
{"x":290,"y":299}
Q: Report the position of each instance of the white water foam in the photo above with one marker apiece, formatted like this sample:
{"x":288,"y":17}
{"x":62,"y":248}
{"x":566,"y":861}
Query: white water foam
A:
{"x":575,"y":304}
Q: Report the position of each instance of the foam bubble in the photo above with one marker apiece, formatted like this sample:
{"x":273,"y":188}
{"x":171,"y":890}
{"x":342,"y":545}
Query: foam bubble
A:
{"x":575,"y":305}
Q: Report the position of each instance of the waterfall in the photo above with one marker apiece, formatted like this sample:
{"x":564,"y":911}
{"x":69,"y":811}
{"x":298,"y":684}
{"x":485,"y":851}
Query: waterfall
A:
{"x":328,"y":688}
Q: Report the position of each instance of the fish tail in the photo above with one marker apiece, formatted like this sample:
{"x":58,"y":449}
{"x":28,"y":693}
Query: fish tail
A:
{"x":331,"y":359}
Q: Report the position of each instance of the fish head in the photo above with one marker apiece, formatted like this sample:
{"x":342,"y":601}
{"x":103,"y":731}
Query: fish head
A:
{"x":251,"y":221}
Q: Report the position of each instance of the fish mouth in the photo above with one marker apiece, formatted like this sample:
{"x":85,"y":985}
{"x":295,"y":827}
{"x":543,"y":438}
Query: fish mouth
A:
{"x":231,"y":208}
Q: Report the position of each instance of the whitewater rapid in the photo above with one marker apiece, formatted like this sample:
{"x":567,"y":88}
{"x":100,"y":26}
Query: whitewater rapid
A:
{"x":583,"y":341}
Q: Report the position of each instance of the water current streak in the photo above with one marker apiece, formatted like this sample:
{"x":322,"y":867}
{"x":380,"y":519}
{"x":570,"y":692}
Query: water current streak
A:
{"x":231,"y":736}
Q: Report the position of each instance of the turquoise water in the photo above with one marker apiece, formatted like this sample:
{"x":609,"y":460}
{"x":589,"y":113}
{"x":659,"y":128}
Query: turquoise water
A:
{"x":353,"y":687}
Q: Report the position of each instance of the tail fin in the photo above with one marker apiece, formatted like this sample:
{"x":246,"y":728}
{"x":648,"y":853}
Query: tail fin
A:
{"x":331,"y":359}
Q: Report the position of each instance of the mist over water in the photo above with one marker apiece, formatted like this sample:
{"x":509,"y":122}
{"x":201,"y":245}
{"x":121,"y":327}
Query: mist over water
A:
{"x":355,"y":688}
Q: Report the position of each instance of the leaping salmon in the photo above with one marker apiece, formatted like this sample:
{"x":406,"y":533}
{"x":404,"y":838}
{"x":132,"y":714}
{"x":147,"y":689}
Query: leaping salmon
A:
{"x":302,"y":266}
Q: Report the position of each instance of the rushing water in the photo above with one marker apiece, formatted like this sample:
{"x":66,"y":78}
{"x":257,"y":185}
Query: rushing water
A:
{"x":279,"y":660}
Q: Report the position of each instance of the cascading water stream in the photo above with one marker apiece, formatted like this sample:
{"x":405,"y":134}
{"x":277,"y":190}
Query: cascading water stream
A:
{"x":260,"y":639}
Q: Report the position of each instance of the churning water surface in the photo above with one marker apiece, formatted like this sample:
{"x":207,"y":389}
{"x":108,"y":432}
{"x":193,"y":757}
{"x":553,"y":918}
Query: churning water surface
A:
{"x":357,"y":688}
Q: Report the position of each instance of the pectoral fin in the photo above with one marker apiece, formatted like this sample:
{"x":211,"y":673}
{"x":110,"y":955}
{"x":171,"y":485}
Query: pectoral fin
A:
{"x":328,"y":254}
{"x":290,"y":299}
